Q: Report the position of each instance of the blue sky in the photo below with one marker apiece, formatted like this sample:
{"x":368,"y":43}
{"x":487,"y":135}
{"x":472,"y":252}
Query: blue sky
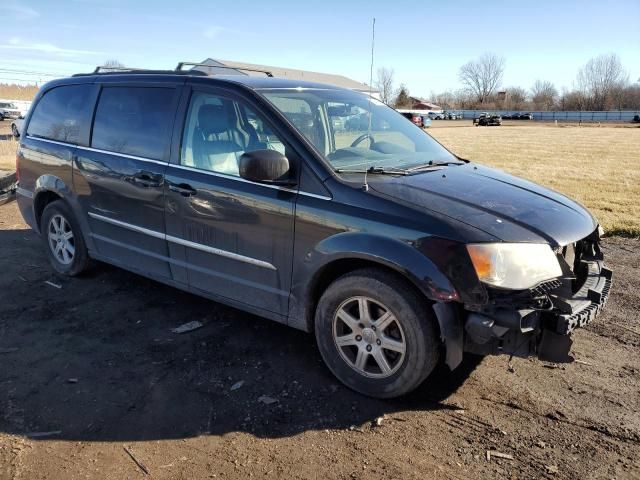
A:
{"x":424,"y":42}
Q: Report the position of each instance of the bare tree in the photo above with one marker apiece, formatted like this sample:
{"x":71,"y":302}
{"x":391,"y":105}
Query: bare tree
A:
{"x":600,"y":77}
{"x":573,"y":100}
{"x":112,"y":65}
{"x":626,"y":97}
{"x":515,"y":98}
{"x":483,"y":76}
{"x":384,"y":83}
{"x":543,"y":95}
{"x":444,"y":99}
{"x":463,"y":99}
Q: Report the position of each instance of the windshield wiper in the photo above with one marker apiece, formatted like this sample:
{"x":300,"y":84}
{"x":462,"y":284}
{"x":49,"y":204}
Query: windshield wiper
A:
{"x":376,"y":171}
{"x":432,"y":164}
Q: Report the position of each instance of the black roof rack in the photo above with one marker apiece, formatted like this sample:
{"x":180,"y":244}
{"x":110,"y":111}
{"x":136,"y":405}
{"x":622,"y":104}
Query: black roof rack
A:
{"x":111,"y":69}
{"x":120,"y":70}
{"x":195,"y":64}
{"x":107,"y":70}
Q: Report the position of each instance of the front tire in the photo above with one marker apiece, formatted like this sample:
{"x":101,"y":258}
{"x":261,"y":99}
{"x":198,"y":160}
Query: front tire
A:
{"x":376,"y":334}
{"x":15,"y":132}
{"x":63,"y":239}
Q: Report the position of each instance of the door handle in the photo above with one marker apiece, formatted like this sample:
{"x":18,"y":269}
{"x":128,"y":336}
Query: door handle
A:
{"x":147,"y":179}
{"x":183,"y":189}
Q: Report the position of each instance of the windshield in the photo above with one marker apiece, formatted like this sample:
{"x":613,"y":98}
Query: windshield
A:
{"x":338,"y":124}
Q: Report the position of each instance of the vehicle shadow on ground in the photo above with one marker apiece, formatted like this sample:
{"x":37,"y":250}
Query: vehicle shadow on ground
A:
{"x":96,"y":360}
{"x":6,"y":136}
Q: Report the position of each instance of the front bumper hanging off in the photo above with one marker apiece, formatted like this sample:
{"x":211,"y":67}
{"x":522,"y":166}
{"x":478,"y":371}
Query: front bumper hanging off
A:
{"x":536,"y":322}
{"x":577,"y":311}
{"x":587,"y":303}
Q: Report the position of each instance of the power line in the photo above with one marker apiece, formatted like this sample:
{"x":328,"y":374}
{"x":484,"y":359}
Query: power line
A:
{"x":20,"y":76}
{"x":29,"y":72}
{"x":4,"y":79}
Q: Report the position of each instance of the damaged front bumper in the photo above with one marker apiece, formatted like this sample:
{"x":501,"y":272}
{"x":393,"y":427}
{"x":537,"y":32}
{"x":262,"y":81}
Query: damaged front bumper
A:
{"x":536,"y":322}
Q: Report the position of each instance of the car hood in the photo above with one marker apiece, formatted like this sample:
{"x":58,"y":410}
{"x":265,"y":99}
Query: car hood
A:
{"x":502,"y":205}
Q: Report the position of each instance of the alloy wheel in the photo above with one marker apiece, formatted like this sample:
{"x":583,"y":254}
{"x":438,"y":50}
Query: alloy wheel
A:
{"x":369,"y":337}
{"x":61,"y":241}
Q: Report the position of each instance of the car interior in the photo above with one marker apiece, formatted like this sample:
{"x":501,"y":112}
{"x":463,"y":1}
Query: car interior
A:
{"x":219,"y":131}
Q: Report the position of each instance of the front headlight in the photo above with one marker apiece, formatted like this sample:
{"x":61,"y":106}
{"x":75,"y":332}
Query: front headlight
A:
{"x":514,"y":266}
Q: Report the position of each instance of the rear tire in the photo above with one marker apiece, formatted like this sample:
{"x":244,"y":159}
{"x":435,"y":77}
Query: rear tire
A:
{"x":388,"y":350}
{"x":15,"y":132}
{"x":63,"y":239}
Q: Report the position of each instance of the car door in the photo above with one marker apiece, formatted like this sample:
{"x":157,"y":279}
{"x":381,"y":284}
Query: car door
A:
{"x":234,"y":237}
{"x":119,"y":178}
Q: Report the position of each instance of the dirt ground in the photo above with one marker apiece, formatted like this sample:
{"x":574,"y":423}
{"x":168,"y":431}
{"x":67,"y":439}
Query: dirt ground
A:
{"x":92,"y":368}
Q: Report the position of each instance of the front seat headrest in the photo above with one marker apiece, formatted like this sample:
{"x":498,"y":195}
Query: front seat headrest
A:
{"x":212,"y":119}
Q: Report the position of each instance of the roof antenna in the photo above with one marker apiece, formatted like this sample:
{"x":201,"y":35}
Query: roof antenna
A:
{"x":365,"y":187}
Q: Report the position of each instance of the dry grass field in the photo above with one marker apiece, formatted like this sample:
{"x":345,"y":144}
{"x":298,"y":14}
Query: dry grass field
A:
{"x":600,"y":167}
{"x":17,"y":92}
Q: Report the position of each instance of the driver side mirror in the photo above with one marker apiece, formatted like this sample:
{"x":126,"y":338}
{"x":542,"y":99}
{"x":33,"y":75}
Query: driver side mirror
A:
{"x":265,"y":166}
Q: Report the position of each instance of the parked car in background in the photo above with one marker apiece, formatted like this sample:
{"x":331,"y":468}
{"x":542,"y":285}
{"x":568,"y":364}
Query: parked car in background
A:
{"x":526,"y":116}
{"x":360,"y":122}
{"x":507,"y":116}
{"x":636,"y":118}
{"x":24,"y":107}
{"x":436,"y":115}
{"x":415,"y":117}
{"x":9,"y":110}
{"x":338,"y":123}
{"x":357,"y":122}
{"x":487,"y":120}
{"x":426,"y":121}
{"x":16,"y":127}
{"x":450,"y":115}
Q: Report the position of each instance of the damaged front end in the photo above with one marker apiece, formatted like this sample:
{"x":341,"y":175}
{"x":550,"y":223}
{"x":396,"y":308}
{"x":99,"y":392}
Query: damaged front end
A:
{"x":536,"y":321}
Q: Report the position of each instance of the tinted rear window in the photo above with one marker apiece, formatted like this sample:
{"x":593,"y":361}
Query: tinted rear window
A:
{"x":64,"y":114}
{"x":134,"y":120}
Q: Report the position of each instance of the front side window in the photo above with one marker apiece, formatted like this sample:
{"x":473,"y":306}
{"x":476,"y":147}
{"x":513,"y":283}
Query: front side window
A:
{"x":64,"y":114}
{"x":355,"y":132}
{"x":219,"y":130}
{"x":134,"y":121}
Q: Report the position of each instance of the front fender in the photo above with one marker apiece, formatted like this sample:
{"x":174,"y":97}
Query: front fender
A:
{"x":396,"y":254}
{"x":401,"y":256}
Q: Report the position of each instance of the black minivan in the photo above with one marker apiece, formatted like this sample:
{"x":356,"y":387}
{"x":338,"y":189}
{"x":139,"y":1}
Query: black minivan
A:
{"x":397,"y":254}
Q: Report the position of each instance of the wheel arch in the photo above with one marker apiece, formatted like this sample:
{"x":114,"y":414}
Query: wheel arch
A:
{"x":49,"y":188}
{"x":347,"y":252}
{"x":40,"y":202}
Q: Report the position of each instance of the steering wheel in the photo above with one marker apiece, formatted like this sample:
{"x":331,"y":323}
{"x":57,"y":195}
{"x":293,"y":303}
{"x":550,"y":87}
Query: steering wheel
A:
{"x":362,"y":138}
